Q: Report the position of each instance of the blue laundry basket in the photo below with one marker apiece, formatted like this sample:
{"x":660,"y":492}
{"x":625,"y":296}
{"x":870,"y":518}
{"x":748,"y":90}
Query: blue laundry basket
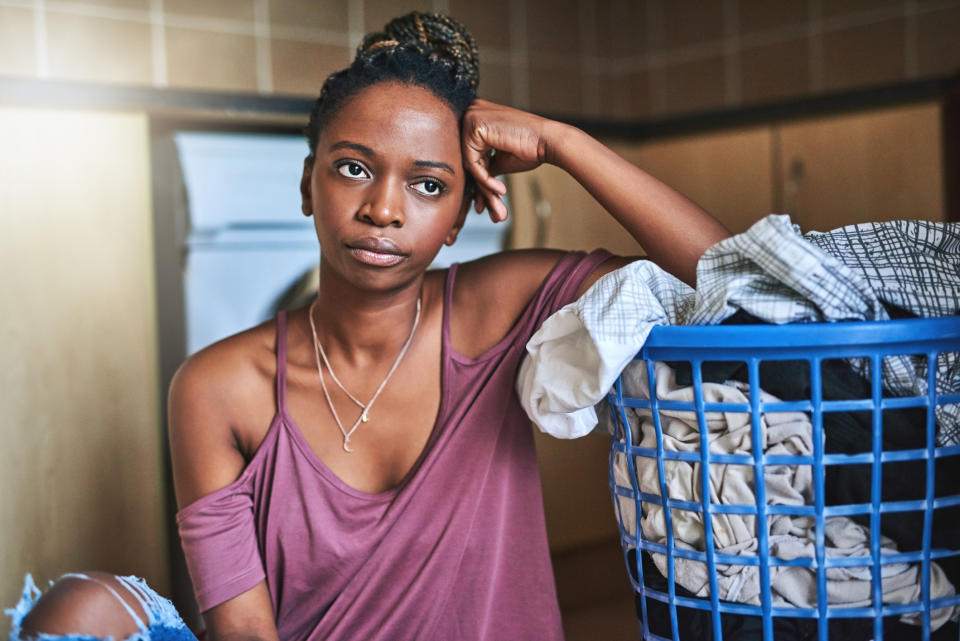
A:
{"x":808,"y":349}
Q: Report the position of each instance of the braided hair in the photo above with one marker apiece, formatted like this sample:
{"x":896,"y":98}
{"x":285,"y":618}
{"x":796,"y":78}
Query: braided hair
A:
{"x":428,"y":50}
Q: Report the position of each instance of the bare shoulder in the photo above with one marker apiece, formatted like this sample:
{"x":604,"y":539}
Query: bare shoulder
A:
{"x":220,"y":404}
{"x":490,"y":293}
{"x":483,"y":280}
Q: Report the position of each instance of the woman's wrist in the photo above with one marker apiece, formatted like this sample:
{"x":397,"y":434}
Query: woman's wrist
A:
{"x":559,"y":140}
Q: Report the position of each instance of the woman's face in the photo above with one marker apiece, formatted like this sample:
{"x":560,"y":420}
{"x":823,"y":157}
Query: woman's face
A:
{"x":386,"y":185}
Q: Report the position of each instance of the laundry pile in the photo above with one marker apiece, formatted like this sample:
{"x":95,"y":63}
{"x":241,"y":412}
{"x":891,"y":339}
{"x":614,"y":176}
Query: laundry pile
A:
{"x":770,"y":274}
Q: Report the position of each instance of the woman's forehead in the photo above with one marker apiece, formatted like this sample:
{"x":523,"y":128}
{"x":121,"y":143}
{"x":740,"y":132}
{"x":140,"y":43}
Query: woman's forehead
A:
{"x":392,"y":118}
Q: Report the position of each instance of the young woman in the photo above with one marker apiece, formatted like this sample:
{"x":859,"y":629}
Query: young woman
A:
{"x":361,"y":468}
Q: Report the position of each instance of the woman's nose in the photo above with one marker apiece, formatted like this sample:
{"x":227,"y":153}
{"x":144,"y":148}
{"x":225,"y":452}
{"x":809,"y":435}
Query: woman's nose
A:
{"x":384,"y":208}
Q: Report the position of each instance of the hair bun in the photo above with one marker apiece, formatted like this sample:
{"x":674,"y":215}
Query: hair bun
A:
{"x":435,"y":35}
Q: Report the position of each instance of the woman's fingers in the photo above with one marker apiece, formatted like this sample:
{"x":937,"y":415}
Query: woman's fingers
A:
{"x":489,"y":200}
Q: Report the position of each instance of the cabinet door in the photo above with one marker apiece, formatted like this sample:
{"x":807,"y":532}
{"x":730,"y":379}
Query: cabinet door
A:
{"x":881,"y":165}
{"x":728,"y":173}
{"x":81,"y":463}
{"x":551,"y":209}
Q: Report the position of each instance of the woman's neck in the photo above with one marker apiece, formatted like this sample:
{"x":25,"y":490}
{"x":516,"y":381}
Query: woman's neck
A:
{"x":362,"y":326}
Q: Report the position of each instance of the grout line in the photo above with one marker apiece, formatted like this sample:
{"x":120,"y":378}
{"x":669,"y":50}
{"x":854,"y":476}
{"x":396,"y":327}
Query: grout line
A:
{"x":355,"y":28}
{"x":306,"y":34}
{"x":40,"y":38}
{"x":110,"y":13}
{"x":776,"y":36}
{"x":261,"y":30}
{"x":732,"y":76}
{"x":544,"y":60}
{"x":158,"y":44}
{"x":519,"y":60}
{"x":861,"y":18}
{"x":589,"y":81}
{"x":213,"y":25}
{"x":911,"y":62}
{"x":815,"y":8}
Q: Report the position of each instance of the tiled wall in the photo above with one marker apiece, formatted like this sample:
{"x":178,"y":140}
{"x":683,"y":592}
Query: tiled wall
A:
{"x":618,"y":59}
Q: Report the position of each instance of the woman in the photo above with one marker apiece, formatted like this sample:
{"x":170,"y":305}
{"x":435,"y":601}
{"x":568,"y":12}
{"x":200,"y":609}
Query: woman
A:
{"x":361,"y":468}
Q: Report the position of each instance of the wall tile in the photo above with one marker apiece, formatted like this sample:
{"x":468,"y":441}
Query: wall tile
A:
{"x":556,"y":91}
{"x":688,"y":22}
{"x":775,"y":72}
{"x":763,"y":15}
{"x":206,"y":60}
{"x":489,"y":22}
{"x":495,"y":82}
{"x":553,"y":26}
{"x":18,"y":56}
{"x":229,"y":9}
{"x":615,"y":98}
{"x":695,"y":86}
{"x":637,"y":85}
{"x":320,"y":14}
{"x":832,"y":8}
{"x":301,"y":67}
{"x":867,"y":55}
{"x":938,"y":45}
{"x":622,"y":28}
{"x":98,"y":49}
{"x":377,"y":13}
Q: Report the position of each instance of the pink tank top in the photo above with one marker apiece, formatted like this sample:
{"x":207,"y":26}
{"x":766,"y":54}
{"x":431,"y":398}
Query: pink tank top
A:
{"x":457,"y":551}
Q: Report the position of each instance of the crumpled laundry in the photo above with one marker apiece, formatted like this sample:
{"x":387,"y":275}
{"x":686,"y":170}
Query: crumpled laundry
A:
{"x":790,"y":536}
{"x":769,"y":271}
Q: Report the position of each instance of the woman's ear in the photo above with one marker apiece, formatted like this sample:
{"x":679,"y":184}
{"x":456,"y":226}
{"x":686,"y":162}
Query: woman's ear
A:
{"x":461,"y":218}
{"x":306,"y":197}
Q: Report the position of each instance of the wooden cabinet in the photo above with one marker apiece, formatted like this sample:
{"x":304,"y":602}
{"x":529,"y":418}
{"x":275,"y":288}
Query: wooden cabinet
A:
{"x":855,"y":168}
{"x":81,"y":464}
{"x":825,"y":172}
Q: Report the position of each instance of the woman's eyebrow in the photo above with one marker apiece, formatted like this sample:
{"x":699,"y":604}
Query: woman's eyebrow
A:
{"x":435,"y":164}
{"x":346,"y":144}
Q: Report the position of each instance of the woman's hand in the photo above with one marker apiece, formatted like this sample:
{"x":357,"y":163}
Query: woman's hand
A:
{"x":501,"y":140}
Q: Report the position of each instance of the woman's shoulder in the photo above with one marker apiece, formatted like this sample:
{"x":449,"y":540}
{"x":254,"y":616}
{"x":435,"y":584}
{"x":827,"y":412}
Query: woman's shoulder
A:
{"x":221,"y":404}
{"x":490,"y":294}
{"x":228,"y":380}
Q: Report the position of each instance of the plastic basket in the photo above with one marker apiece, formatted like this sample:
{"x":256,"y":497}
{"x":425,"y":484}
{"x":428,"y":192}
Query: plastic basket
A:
{"x":809,"y":348}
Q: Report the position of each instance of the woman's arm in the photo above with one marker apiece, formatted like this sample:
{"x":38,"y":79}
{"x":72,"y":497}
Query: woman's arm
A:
{"x":206,"y":458}
{"x":672,"y":229}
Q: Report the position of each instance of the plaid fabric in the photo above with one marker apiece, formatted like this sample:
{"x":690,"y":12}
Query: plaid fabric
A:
{"x":774,"y":273}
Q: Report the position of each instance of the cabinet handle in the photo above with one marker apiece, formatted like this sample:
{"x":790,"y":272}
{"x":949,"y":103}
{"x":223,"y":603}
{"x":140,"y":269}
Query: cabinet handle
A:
{"x":542,"y":209}
{"x":791,"y":186}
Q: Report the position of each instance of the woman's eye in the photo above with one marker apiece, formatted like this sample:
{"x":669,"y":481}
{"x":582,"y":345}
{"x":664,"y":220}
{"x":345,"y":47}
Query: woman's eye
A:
{"x":429,"y":187}
{"x":351,"y":170}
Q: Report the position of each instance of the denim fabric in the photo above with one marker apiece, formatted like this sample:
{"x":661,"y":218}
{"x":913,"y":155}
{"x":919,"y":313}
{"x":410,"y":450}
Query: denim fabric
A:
{"x":163,"y":622}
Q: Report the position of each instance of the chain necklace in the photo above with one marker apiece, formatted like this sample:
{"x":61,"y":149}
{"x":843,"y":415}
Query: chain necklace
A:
{"x":365,"y":407}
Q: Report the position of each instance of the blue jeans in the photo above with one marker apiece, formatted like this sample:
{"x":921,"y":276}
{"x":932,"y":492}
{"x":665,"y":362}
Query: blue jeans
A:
{"x":163,"y":621}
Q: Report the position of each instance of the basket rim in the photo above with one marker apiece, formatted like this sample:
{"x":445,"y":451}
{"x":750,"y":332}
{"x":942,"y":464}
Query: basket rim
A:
{"x":929,"y":332}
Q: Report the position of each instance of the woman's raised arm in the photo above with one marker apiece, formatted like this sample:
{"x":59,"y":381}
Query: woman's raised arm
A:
{"x":673,"y":230}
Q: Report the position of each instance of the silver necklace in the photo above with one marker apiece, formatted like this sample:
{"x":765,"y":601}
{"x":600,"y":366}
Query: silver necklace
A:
{"x":365,"y":407}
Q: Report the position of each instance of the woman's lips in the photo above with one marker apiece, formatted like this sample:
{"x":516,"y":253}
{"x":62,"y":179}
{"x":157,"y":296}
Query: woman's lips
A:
{"x":379,"y":252}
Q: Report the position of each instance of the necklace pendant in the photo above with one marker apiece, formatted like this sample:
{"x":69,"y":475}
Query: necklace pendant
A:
{"x":346,"y":445}
{"x":363,"y":417}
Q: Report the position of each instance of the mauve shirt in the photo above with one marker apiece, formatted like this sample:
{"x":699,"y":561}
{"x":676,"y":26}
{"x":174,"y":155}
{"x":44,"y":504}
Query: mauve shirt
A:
{"x":457,"y":551}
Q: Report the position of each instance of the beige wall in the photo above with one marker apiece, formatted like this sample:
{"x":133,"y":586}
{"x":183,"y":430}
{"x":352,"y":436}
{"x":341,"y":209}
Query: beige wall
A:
{"x":80,"y":460}
{"x":607,"y":59}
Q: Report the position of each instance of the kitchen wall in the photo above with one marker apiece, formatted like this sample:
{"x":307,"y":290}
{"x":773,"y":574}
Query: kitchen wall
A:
{"x":609,"y":59}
